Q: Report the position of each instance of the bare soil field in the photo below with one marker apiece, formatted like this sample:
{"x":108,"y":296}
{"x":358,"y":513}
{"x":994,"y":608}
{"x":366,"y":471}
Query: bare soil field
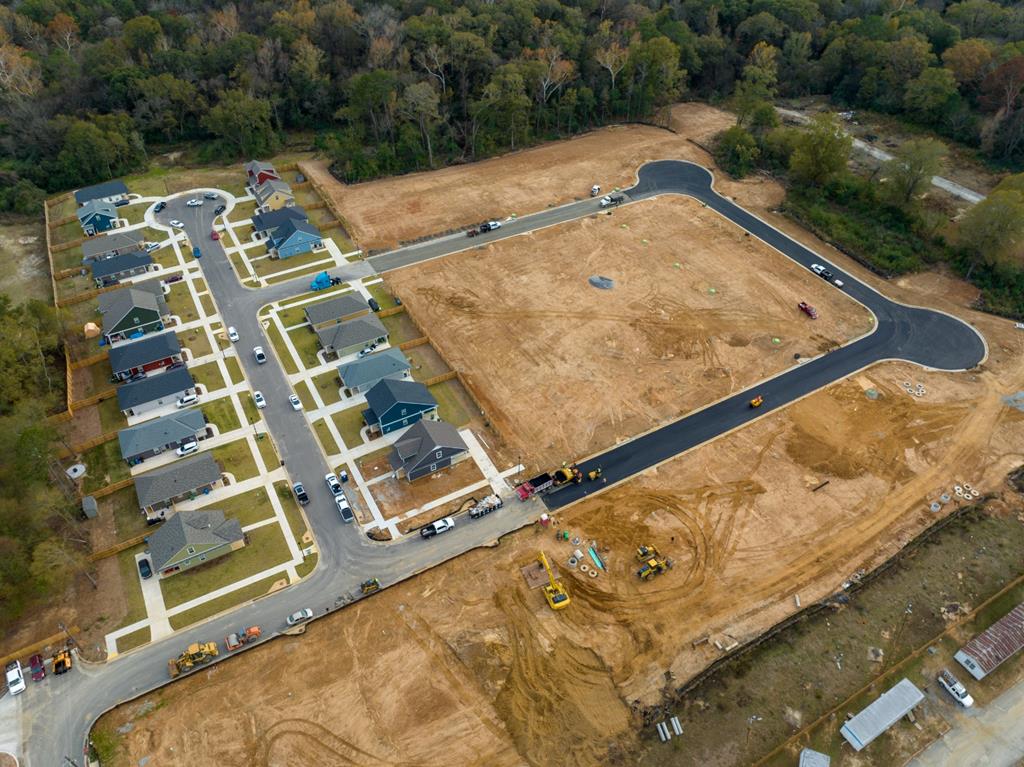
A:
{"x":564,"y":369}
{"x":396,"y":496}
{"x":476,"y":670}
{"x":381,"y":214}
{"x":24,"y":272}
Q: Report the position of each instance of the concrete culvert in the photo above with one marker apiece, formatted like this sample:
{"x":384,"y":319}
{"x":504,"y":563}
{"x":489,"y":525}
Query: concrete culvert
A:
{"x":592,"y":573}
{"x":604,"y":283}
{"x":935,"y":506}
{"x":967,"y":487}
{"x":584,"y":568}
{"x":573,"y":561}
{"x":945,"y":498}
{"x":958,"y":490}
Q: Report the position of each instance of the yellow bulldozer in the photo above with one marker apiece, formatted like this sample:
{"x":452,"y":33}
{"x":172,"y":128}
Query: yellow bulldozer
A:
{"x":554,"y":592}
{"x":653,"y":562}
{"x":195,"y":655}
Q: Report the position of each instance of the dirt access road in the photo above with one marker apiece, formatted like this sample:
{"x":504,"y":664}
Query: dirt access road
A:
{"x":564,"y":369}
{"x":381,"y":214}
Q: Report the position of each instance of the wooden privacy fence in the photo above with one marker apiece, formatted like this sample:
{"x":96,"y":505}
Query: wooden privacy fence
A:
{"x":390,"y":311}
{"x":414,"y":343}
{"x":81,"y":447}
{"x":65,"y":245}
{"x":440,"y":378}
{"x":118,"y":547}
{"x":96,"y":398}
{"x":78,"y":298}
{"x":328,"y":200}
{"x":112,"y":488}
{"x":91,"y":360}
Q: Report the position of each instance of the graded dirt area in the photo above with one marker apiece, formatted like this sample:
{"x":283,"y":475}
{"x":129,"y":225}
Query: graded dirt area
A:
{"x":381,"y":214}
{"x":466,"y":665}
{"x":564,"y":369}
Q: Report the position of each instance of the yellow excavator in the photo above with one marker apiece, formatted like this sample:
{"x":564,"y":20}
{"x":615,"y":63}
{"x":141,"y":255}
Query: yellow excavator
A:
{"x":554,"y":592}
{"x":197,"y":653}
{"x":653,"y":562}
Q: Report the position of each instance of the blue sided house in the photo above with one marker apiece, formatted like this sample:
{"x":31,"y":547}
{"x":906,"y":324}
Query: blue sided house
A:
{"x":97,"y":216}
{"x":293,"y":238}
{"x":397,"y":404}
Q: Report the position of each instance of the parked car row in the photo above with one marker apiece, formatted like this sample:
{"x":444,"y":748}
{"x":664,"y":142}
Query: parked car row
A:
{"x":14,"y":675}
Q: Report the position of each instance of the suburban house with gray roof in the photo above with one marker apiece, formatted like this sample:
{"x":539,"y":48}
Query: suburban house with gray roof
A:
{"x":96,"y":217}
{"x":160,"y":489}
{"x":352,"y":336}
{"x":265,"y":224}
{"x":112,"y":244}
{"x":161,"y":434}
{"x":272,"y":195}
{"x":191,"y":538}
{"x":397,"y":404}
{"x":149,"y":394}
{"x":151,"y":353}
{"x":293,"y":238}
{"x":132,"y":312}
{"x":425,"y":448}
{"x":334,"y":310}
{"x":361,"y":375}
{"x":115,"y":192}
{"x":110,"y":271}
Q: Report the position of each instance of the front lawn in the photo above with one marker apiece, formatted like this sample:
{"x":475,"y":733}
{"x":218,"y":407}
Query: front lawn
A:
{"x":247,"y":508}
{"x":277,"y":341}
{"x":196,"y":341}
{"x":269,"y":266}
{"x":242,"y":211}
{"x":234,"y":370}
{"x":305,"y":342}
{"x":135,"y":605}
{"x":208,"y":306}
{"x":270,"y":457}
{"x":349,"y":422}
{"x":292,"y":512}
{"x":222,"y":413}
{"x":236,"y":458}
{"x":266,"y":548}
{"x":252,"y":413}
{"x":305,"y":397}
{"x":209,"y":376}
{"x":226,"y":602}
{"x":134,"y":639}
{"x":180,"y":302}
{"x":329,"y":387}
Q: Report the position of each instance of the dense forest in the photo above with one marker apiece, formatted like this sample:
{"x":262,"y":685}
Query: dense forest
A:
{"x":89,"y":87}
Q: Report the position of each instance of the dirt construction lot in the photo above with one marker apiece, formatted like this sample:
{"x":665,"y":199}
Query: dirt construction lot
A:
{"x":564,"y":369}
{"x":465,"y":665}
{"x":382,"y":214}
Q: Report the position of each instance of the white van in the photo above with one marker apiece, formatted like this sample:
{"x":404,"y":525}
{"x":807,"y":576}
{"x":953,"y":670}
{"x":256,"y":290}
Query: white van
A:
{"x":15,"y":679}
{"x":188,"y":399}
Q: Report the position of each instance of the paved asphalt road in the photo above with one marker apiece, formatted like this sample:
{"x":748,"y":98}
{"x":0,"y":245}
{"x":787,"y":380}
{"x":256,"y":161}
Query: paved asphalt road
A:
{"x":57,"y":714}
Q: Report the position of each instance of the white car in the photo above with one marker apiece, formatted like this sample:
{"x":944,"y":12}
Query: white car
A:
{"x":187,"y":448}
{"x":232,"y":335}
{"x":257,"y":352}
{"x":194,"y":202}
{"x":149,"y":247}
{"x":492,"y":225}
{"x":175,"y":222}
{"x":295,"y":402}
{"x":257,"y":397}
{"x":817,"y":269}
{"x":15,"y":679}
{"x":334,"y":485}
{"x":344,"y":509}
{"x":188,"y":399}
{"x":298,"y":617}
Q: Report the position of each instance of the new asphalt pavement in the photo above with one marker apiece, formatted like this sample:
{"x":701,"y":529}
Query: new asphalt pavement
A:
{"x":56,"y":715}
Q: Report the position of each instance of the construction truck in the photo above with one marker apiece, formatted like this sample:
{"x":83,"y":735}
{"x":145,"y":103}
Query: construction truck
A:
{"x":554,"y":591}
{"x":653,"y":562}
{"x":62,"y":662}
{"x":550,"y":482}
{"x":195,"y":655}
{"x":485,"y":506}
{"x":369,"y":586}
{"x":242,"y":637}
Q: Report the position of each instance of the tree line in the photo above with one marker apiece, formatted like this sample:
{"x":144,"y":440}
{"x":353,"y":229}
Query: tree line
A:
{"x":89,"y":87}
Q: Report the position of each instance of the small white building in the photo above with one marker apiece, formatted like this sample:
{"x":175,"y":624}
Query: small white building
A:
{"x":893,"y":704}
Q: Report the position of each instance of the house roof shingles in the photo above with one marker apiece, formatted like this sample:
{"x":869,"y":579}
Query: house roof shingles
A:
{"x":267,"y":188}
{"x":373,"y":367}
{"x":361,"y":330}
{"x":149,"y":348}
{"x":389,"y":392}
{"x":93,"y":208}
{"x":271,"y":220}
{"x":97,"y":246}
{"x":421,"y":440}
{"x":289,"y":228}
{"x":97,"y":191}
{"x":192,"y":528}
{"x":145,"y":390}
{"x":155,"y":434}
{"x":258,"y":166}
{"x":123,"y":263}
{"x":336,"y":308}
{"x":118,"y":303}
{"x":176,"y":479}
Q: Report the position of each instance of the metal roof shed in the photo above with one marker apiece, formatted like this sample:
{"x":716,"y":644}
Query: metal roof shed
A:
{"x":893,"y":704}
{"x":811,"y":758}
{"x":983,"y":654}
